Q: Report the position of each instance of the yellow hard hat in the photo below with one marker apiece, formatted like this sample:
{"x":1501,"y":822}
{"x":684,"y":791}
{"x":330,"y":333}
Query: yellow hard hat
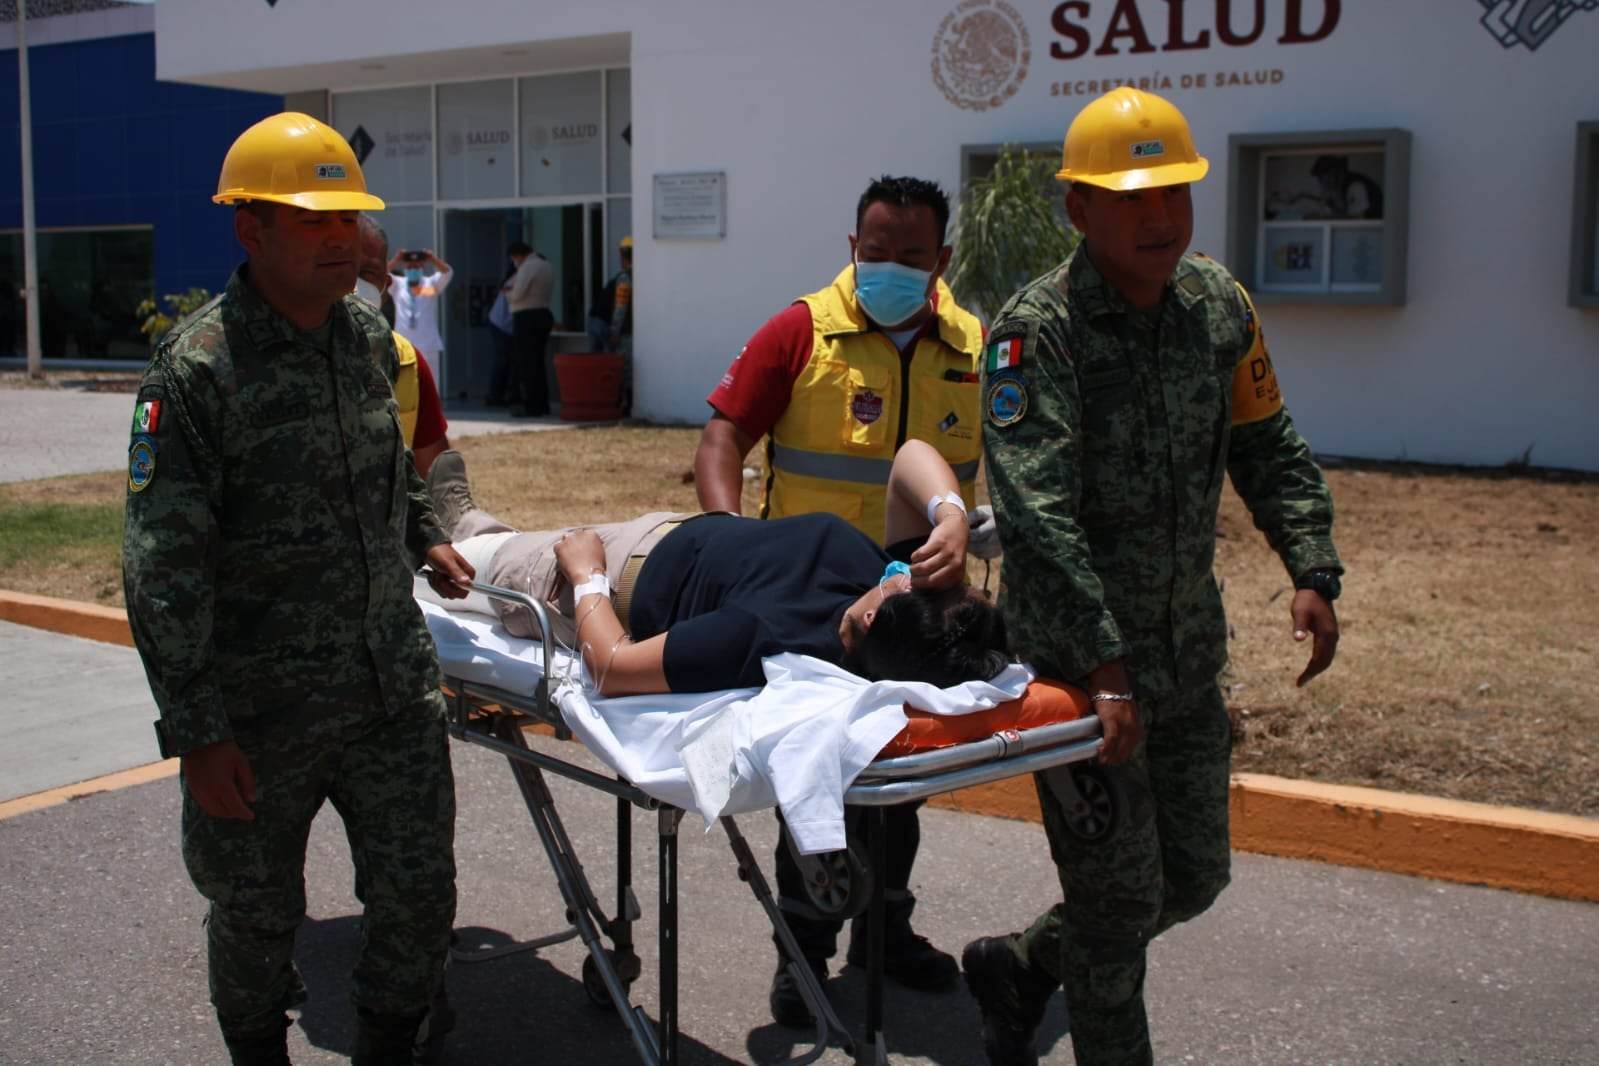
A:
{"x":627,"y":243}
{"x":292,"y":158}
{"x":1129,"y":139}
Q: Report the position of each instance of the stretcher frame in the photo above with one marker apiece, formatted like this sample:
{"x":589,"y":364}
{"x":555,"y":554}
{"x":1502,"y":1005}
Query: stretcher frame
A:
{"x":608,"y":972}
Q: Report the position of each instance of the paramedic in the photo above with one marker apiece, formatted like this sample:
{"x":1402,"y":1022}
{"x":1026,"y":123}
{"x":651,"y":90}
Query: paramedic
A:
{"x":272,"y":526}
{"x":836,"y":383}
{"x":1127,"y":382}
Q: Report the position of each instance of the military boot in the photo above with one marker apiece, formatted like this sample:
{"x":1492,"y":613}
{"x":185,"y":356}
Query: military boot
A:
{"x":908,"y":957}
{"x":384,"y":1039}
{"x":269,"y":1047}
{"x":451,"y":492}
{"x":1011,"y":998}
{"x":436,"y":1025}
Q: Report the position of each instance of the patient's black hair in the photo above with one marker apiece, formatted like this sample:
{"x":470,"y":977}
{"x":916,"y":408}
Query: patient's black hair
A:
{"x":941,"y":636}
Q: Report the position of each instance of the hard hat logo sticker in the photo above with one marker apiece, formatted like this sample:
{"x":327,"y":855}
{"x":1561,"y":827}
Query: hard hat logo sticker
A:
{"x":1147,"y":149}
{"x":330,"y":171}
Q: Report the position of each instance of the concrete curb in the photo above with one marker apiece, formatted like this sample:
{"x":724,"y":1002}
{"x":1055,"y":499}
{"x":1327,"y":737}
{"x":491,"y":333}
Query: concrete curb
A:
{"x":1450,"y":840}
{"x":109,"y":625}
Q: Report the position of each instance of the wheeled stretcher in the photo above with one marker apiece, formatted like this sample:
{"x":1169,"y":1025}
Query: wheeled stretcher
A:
{"x":493,"y":697}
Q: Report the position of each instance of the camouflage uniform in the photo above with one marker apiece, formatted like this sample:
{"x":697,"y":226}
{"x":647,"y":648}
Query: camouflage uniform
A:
{"x":1107,"y":431}
{"x":273,"y":524}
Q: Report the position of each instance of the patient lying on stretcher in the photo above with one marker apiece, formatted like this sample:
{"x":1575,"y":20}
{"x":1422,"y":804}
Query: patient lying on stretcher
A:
{"x":694,"y":602}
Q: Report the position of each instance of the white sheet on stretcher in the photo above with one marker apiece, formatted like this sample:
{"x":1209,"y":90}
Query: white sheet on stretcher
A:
{"x":797,"y":743}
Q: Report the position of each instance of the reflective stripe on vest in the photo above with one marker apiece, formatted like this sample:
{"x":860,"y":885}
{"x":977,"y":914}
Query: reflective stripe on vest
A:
{"x":833,"y":446}
{"x":407,"y":392}
{"x":848,"y":467}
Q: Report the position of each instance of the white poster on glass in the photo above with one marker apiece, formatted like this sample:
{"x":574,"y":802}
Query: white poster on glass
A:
{"x":477,"y":146}
{"x":391,"y":132}
{"x":562,"y":136}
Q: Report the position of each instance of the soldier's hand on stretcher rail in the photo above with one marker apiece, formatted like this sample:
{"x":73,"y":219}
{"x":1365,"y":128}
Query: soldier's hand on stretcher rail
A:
{"x":1315,"y":617}
{"x":1121,"y":730}
{"x":448,"y":574}
{"x":219,"y":778}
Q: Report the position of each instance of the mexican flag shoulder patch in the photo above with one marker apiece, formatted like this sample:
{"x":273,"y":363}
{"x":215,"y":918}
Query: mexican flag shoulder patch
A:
{"x":1004,"y":353}
{"x":147,"y":416}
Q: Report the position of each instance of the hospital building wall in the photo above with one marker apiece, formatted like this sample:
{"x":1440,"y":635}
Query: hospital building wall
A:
{"x":801,"y":104}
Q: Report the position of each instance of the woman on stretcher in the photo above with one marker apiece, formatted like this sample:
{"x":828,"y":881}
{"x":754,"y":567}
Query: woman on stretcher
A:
{"x":693,"y":602}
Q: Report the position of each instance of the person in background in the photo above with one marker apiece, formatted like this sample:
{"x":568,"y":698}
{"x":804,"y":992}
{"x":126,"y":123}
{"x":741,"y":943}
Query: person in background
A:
{"x":610,"y":326}
{"x":415,"y":394}
{"x":528,"y":292}
{"x":421,"y":280}
{"x":502,"y":329}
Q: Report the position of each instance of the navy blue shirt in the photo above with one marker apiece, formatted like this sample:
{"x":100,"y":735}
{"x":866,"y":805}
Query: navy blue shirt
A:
{"x":729,"y":591}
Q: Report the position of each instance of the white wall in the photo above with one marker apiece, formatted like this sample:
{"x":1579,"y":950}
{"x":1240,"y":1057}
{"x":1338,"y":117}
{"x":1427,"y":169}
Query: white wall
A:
{"x":802,"y":104}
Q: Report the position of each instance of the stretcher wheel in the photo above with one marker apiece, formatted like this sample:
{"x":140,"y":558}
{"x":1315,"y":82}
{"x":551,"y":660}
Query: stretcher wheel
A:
{"x":1097,"y":809}
{"x":628,"y":969}
{"x":838,"y":883}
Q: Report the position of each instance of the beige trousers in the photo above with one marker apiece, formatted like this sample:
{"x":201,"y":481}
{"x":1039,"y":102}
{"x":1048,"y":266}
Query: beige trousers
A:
{"x":526,"y":563}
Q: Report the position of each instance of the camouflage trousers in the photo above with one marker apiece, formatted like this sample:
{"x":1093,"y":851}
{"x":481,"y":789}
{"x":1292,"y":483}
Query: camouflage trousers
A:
{"x":389,"y":778}
{"x":1166,"y":862}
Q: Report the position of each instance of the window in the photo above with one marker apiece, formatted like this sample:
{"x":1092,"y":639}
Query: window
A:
{"x":562,"y":142}
{"x":391,"y":131}
{"x":1585,"y":219}
{"x":467,"y":167}
{"x":90,"y":285}
{"x":619,"y":143}
{"x":477,"y":148}
{"x":1320,"y":217}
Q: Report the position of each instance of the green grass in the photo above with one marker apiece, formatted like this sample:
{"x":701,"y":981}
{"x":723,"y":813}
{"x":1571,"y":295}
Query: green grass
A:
{"x":51,"y":532}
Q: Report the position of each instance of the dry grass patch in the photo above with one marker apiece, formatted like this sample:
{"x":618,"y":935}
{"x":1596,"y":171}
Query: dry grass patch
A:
{"x":1468,"y":664}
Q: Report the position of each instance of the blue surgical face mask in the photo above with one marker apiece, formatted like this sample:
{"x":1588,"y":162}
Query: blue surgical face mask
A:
{"x":893,"y":570}
{"x":890,"y":293}
{"x":413,"y":276}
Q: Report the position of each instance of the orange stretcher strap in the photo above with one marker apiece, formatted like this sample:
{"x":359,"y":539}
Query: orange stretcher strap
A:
{"x":1045,"y":702}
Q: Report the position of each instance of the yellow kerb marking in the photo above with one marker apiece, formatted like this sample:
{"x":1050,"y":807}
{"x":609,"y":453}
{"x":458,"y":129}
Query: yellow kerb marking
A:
{"x":54,"y":797}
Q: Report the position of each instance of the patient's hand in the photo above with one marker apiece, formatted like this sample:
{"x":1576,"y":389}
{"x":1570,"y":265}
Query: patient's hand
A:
{"x":448,"y":573}
{"x":580,"y":553}
{"x":219,"y":778}
{"x":942,"y":560}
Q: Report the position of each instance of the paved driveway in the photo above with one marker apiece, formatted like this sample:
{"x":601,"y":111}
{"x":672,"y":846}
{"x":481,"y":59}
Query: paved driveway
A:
{"x":50,"y":432}
{"x":1298,"y":963}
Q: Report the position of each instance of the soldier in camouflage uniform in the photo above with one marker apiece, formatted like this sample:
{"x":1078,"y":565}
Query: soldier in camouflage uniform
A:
{"x":1117,"y":392}
{"x":273,"y":524}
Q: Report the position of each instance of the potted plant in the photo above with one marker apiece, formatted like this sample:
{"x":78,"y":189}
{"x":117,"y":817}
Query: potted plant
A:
{"x":1010,"y":229}
{"x":155,"y":322}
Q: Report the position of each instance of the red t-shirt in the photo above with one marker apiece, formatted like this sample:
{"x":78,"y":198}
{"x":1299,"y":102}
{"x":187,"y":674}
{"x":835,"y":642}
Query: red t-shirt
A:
{"x":756,"y":389}
{"x":430,"y":423}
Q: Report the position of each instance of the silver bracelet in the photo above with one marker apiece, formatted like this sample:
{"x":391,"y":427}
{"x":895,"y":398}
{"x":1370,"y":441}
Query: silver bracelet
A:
{"x":1111,"y":697}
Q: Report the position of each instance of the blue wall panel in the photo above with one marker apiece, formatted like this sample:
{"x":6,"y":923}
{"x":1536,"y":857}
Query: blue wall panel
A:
{"x":113,"y":146}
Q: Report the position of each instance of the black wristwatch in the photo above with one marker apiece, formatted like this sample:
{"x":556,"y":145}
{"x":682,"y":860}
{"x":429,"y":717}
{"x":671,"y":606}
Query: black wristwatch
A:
{"x":1324,"y":583}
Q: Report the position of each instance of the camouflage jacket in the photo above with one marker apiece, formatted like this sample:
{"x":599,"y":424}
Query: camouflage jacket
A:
{"x":273,"y":520}
{"x":1107,"y":432}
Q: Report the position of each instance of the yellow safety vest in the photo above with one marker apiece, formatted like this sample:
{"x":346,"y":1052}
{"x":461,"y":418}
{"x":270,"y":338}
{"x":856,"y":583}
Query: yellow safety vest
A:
{"x":855,"y":403}
{"x":407,"y":391}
